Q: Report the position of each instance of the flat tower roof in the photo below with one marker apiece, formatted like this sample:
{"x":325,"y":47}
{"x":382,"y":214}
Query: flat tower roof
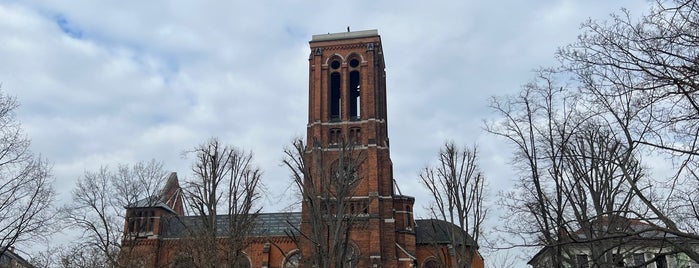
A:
{"x":345,"y":35}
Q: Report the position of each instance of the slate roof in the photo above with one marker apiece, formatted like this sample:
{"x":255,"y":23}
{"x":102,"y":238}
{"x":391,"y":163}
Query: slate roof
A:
{"x":267,"y":224}
{"x":428,"y":231}
{"x":433,"y":231}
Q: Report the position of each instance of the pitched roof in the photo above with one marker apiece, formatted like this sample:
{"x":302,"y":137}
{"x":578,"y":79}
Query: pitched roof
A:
{"x":266,"y":224}
{"x":433,"y":231}
{"x":427,"y":231}
{"x":171,"y":194}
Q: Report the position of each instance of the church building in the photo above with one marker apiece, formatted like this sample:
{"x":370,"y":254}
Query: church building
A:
{"x":346,"y":102}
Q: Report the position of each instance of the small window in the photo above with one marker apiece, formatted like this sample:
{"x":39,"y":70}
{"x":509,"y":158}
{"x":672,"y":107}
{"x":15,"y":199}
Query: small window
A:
{"x":335,"y":135}
{"x":354,"y":63}
{"x":335,"y":64}
{"x":355,"y":135}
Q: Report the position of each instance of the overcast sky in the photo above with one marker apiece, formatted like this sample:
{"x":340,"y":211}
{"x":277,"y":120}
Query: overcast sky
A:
{"x":108,"y":82}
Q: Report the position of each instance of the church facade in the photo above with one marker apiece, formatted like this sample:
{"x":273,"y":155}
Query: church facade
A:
{"x":347,"y":102}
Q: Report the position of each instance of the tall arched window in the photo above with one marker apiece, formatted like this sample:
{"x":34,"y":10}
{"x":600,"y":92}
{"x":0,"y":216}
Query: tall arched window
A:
{"x":335,"y":95}
{"x":354,"y":96}
{"x":335,"y":89}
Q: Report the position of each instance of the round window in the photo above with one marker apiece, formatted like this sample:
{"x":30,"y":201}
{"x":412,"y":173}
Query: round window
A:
{"x":335,"y":64}
{"x":354,"y":63}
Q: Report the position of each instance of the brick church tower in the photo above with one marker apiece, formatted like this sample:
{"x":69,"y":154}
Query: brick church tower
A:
{"x":347,"y":102}
{"x":347,"y":120}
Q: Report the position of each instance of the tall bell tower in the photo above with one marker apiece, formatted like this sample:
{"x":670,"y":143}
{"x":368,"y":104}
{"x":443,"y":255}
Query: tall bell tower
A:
{"x":347,"y":101}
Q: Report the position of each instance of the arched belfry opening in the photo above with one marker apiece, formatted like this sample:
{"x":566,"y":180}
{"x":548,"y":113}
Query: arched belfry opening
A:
{"x":346,"y":90}
{"x":335,"y":95}
{"x":354,"y":89}
{"x":354,"y":95}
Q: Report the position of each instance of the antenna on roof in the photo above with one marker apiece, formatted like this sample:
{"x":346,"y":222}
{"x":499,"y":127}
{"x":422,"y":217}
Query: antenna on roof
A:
{"x":348,"y":29}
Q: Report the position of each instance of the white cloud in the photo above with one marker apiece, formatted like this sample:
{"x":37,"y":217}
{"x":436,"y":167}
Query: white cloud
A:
{"x":122,"y":82}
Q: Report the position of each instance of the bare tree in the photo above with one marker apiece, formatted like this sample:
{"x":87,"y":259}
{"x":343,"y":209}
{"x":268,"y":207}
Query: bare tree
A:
{"x":70,"y":256}
{"x":601,"y":200}
{"x":77,"y":256}
{"x":225,"y":179}
{"x":327,"y":178}
{"x":534,"y":122}
{"x":26,"y":192}
{"x":458,"y":188}
{"x":642,"y":77}
{"x":577,"y":174}
{"x":501,"y":258}
{"x":98,"y":207}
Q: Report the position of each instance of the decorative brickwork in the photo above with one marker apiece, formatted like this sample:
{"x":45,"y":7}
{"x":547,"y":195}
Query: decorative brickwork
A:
{"x":347,"y":101}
